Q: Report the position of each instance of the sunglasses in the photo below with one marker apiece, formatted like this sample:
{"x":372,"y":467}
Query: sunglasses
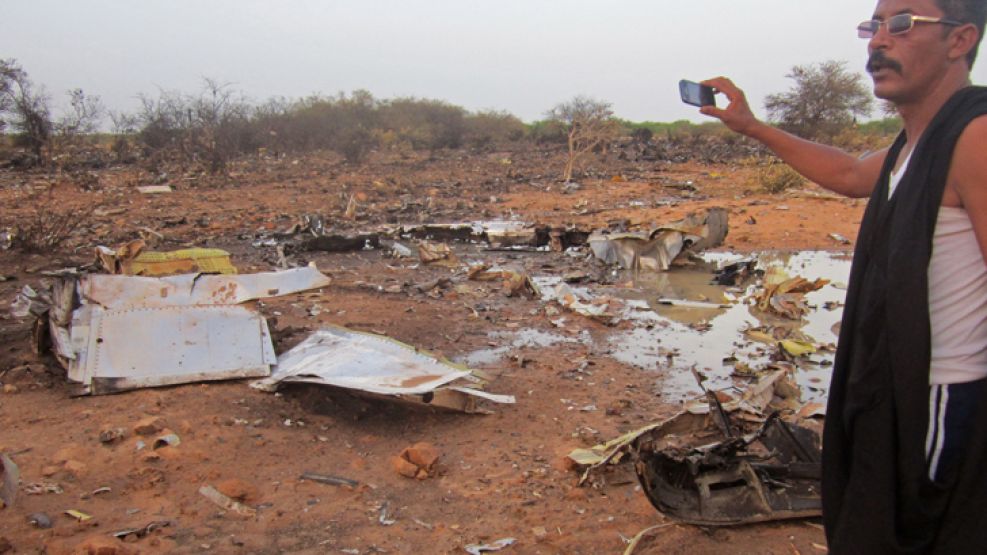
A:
{"x":899,"y":24}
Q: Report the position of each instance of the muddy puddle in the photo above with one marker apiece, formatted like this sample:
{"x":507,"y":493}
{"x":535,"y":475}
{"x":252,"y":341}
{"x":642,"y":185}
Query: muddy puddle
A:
{"x":666,"y":340}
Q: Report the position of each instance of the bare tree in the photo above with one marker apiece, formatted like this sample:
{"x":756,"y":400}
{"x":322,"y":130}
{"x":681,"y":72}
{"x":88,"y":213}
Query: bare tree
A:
{"x":84,"y":115}
{"x":27,"y":109}
{"x":9,"y":73}
{"x":588,"y":124}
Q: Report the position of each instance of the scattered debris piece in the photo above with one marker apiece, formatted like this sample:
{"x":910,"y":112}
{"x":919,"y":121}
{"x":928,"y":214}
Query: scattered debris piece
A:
{"x":384,"y":518}
{"x":342,"y":243}
{"x":377,"y":365}
{"x":736,"y":273}
{"x":773,"y":392}
{"x":797,"y":348}
{"x":513,"y":282}
{"x":636,"y":540}
{"x":839,"y":238}
{"x":143,"y":531}
{"x":437,"y":253}
{"x":417,"y":461}
{"x":499,"y":234}
{"x":735,"y":480}
{"x":97,"y":491}
{"x":41,"y":488}
{"x":154,"y":189}
{"x":11,"y":481}
{"x":132,"y":260}
{"x":226,"y":502}
{"x":110,"y":436}
{"x":78,"y":515}
{"x":167,"y":439}
{"x":327,"y":479}
{"x":692,"y":304}
{"x":602,"y":308}
{"x":655,"y":250}
{"x":39,"y":520}
{"x":784,"y":295}
{"x":400,"y":250}
{"x":477,"y":549}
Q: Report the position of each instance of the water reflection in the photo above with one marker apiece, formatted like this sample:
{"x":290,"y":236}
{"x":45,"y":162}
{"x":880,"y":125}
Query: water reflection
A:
{"x":674,"y":345}
{"x":668,"y":340}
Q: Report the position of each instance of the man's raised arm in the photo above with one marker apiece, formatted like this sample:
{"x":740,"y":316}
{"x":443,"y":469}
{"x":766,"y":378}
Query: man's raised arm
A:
{"x":828,"y":166}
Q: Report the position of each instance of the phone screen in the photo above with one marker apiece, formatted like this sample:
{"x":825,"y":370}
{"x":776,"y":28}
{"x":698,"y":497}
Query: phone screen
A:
{"x":696,"y":94}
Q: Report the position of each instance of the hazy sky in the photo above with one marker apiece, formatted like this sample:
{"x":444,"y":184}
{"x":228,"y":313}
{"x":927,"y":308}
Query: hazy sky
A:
{"x":515,"y":55}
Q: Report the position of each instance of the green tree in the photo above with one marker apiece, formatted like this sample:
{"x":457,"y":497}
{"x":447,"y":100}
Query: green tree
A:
{"x":825,"y":100}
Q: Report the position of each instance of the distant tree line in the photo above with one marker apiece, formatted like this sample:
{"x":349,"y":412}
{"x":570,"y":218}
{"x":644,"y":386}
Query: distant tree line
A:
{"x":212,"y":127}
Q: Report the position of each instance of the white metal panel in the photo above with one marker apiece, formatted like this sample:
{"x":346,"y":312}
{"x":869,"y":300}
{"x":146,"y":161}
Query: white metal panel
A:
{"x":118,"y":291}
{"x":144,"y":347}
{"x":365,"y":362}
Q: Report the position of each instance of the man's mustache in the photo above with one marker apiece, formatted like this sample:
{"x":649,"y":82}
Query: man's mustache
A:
{"x":878,"y":60}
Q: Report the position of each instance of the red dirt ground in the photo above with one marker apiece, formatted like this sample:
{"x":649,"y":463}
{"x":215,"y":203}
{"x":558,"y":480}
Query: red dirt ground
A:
{"x":501,"y":475}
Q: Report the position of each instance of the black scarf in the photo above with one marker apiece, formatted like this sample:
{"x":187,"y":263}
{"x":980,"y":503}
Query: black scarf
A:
{"x":876,"y":494}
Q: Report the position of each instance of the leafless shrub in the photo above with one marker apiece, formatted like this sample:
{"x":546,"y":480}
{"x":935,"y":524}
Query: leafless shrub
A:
{"x":208,"y":129}
{"x":776,"y":177}
{"x":47,"y":224}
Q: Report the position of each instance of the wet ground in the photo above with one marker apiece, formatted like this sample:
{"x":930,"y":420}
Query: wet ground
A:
{"x":577,"y":380}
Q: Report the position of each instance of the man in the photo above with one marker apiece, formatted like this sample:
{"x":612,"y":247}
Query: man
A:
{"x":905,"y":444}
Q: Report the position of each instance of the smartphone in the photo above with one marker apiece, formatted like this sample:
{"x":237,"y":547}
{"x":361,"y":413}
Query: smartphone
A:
{"x":696,"y":94}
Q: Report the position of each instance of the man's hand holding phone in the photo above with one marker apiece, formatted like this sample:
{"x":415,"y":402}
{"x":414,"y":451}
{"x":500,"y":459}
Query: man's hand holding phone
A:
{"x":737,"y":115}
{"x":696,"y":94}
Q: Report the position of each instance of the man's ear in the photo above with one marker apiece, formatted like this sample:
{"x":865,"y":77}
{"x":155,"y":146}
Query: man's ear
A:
{"x":963,"y":39}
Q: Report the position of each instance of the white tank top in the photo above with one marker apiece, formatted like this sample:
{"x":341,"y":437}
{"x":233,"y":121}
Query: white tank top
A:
{"x":957,"y":300}
{"x":957,"y":277}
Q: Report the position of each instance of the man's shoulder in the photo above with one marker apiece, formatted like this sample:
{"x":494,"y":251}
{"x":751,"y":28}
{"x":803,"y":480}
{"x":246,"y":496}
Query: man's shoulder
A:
{"x":974,"y":135}
{"x":968,"y":170}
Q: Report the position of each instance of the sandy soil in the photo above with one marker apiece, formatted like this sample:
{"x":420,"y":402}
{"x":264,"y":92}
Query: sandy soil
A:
{"x":500,"y":475}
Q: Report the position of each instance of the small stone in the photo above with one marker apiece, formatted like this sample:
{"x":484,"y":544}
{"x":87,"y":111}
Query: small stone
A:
{"x":149,"y":426}
{"x":424,"y":455}
{"x":10,"y":388}
{"x":239,"y":490}
{"x":540,"y":532}
{"x":111,"y":435}
{"x":421,"y":457}
{"x":404,"y":467}
{"x":49,"y":471}
{"x":75,"y":468}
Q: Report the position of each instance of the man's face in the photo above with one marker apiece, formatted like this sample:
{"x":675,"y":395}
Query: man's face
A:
{"x":904,"y":66}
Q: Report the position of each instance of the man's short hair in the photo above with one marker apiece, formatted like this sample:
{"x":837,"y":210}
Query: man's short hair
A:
{"x":967,"y":11}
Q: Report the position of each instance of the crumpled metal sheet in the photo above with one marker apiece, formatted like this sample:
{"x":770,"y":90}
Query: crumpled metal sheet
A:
{"x":129,"y":332}
{"x":370,"y":363}
{"x":773,"y":474}
{"x":119,"y":292}
{"x":655,"y":250}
